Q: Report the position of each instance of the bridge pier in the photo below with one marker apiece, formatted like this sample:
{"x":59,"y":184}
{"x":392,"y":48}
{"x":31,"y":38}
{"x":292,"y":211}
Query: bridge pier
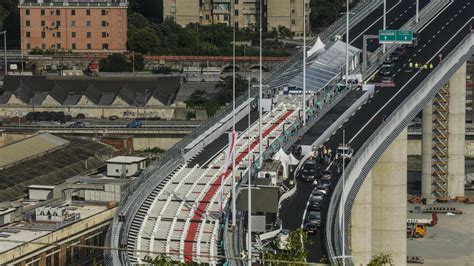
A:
{"x":361,"y":224}
{"x":434,"y":180}
{"x":389,"y":201}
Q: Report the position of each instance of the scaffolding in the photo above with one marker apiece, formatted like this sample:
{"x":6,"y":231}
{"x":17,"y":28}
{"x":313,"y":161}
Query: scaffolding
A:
{"x":439,"y":169}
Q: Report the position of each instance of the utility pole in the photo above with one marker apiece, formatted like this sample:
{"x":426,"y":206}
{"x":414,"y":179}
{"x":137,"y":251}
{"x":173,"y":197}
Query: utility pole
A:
{"x":342,"y":200}
{"x":249,"y":229}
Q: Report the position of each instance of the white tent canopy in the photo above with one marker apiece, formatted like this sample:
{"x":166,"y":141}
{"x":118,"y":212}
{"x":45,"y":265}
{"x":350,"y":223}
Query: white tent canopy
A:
{"x":293,"y":160}
{"x":284,"y":159}
{"x":318,"y":45}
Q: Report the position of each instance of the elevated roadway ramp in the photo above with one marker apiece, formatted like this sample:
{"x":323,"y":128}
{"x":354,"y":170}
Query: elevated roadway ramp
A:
{"x":448,"y":34}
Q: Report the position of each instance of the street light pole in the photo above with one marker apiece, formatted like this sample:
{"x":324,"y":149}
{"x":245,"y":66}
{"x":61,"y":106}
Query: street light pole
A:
{"x":384,"y":21}
{"x":260,"y":110}
{"x":249,"y":229}
{"x":234,"y":195}
{"x":343,"y":184}
{"x":417,"y":11}
{"x":5,"y":50}
{"x":347,"y":43}
{"x":304,"y":63}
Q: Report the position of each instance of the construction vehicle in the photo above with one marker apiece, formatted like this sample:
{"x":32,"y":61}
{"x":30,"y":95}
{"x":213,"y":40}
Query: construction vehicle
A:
{"x":428,"y":222}
{"x":92,"y":69}
{"x":416,"y":230}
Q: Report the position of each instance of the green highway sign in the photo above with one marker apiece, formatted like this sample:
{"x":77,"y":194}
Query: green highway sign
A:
{"x":395,"y":36}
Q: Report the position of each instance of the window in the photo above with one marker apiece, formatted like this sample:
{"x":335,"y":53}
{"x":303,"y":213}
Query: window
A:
{"x":28,"y":34}
{"x":293,"y":22}
{"x":27,"y":12}
{"x":58,"y":34}
{"x":58,"y":23}
{"x":42,"y":12}
{"x":88,"y":12}
{"x":58,"y":45}
{"x":74,"y":46}
{"x":105,"y":46}
{"x":104,"y":34}
{"x":73,"y":23}
{"x":28,"y":46}
{"x":89,"y":34}
{"x":73,"y":12}
{"x":236,"y":12}
{"x":28,"y":23}
{"x":43,"y":46}
{"x":236,"y":1}
{"x":43,"y":34}
{"x":236,"y":24}
{"x":58,"y":12}
{"x":104,"y":23}
{"x":73,"y":34}
{"x":116,"y":170}
{"x":43,"y":23}
{"x":103,"y":12}
{"x":88,"y":23}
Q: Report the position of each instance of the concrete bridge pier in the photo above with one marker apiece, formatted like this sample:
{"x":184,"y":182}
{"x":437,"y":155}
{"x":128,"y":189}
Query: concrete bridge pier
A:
{"x":455,"y":143}
{"x":380,"y":208}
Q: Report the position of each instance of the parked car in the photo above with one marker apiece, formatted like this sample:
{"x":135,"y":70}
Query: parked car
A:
{"x":308,"y":171}
{"x":318,"y":197}
{"x":326,"y":175}
{"x":77,"y":125}
{"x":324,"y":192}
{"x":314,"y":205}
{"x":134,"y":124}
{"x":315,"y":183}
{"x":311,"y":228}
{"x":386,"y":70}
{"x":324,"y":187}
{"x":314,"y":217}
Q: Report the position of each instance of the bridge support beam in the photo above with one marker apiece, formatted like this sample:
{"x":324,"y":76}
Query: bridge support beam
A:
{"x":389,"y":201}
{"x":361,"y":224}
{"x":456,"y":121}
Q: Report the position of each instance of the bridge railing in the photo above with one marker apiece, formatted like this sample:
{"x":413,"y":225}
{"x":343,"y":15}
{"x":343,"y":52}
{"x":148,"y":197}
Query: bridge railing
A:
{"x":368,"y":154}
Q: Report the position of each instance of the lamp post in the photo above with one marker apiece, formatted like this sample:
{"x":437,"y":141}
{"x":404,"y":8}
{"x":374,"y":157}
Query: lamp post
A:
{"x":304,"y":63}
{"x":260,"y":110}
{"x":417,"y":11}
{"x":347,"y":43}
{"x":249,"y":229}
{"x":5,"y":50}
{"x":384,"y":21}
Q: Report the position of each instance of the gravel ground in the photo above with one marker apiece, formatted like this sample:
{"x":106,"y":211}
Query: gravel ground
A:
{"x":450,"y":242}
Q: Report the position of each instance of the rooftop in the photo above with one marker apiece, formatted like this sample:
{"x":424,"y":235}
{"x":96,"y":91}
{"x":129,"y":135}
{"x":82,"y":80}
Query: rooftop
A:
{"x":52,"y":168}
{"x":30,"y":147}
{"x":29,"y":231}
{"x":102,"y":91}
{"x":126,"y":159}
{"x":78,"y":3}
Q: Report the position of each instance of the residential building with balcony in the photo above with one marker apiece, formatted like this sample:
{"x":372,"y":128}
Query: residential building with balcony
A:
{"x":77,"y":26}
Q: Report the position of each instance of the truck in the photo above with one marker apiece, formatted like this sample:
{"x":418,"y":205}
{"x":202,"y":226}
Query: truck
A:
{"x":429,"y":222}
{"x":92,"y":69}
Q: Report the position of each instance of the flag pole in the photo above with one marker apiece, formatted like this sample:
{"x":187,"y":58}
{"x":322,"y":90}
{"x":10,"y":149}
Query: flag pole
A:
{"x":304,"y":62}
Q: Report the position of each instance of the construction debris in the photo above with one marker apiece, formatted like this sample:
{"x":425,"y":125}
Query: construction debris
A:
{"x":442,"y":210}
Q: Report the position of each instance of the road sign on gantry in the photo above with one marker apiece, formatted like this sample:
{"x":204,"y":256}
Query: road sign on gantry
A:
{"x":395,"y":36}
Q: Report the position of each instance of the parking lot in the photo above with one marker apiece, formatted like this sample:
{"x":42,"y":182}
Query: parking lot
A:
{"x":450,"y":242}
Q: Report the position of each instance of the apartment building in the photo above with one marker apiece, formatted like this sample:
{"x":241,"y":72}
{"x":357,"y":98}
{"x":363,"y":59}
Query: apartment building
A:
{"x":77,"y":26}
{"x":245,"y":13}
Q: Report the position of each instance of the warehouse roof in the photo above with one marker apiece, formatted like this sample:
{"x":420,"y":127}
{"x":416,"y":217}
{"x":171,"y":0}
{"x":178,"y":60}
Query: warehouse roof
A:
{"x":134,"y":91}
{"x":30,"y":147}
{"x":53,"y":167}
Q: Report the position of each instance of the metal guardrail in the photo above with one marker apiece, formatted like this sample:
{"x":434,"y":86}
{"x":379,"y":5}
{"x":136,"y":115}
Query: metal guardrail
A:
{"x":378,"y":142}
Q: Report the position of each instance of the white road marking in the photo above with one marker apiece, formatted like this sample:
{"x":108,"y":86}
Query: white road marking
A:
{"x":408,"y":82}
{"x":442,"y":10}
{"x":362,"y":33}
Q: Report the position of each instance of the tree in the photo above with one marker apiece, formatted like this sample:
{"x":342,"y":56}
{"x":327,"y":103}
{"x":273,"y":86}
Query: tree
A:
{"x":295,"y":248}
{"x":225,"y":87}
{"x":161,"y":259}
{"x":139,"y":61}
{"x":381,"y":259}
{"x":324,"y":12}
{"x":138,"y":21}
{"x":115,"y":63}
{"x":197,"y":99}
{"x":143,"y":41}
